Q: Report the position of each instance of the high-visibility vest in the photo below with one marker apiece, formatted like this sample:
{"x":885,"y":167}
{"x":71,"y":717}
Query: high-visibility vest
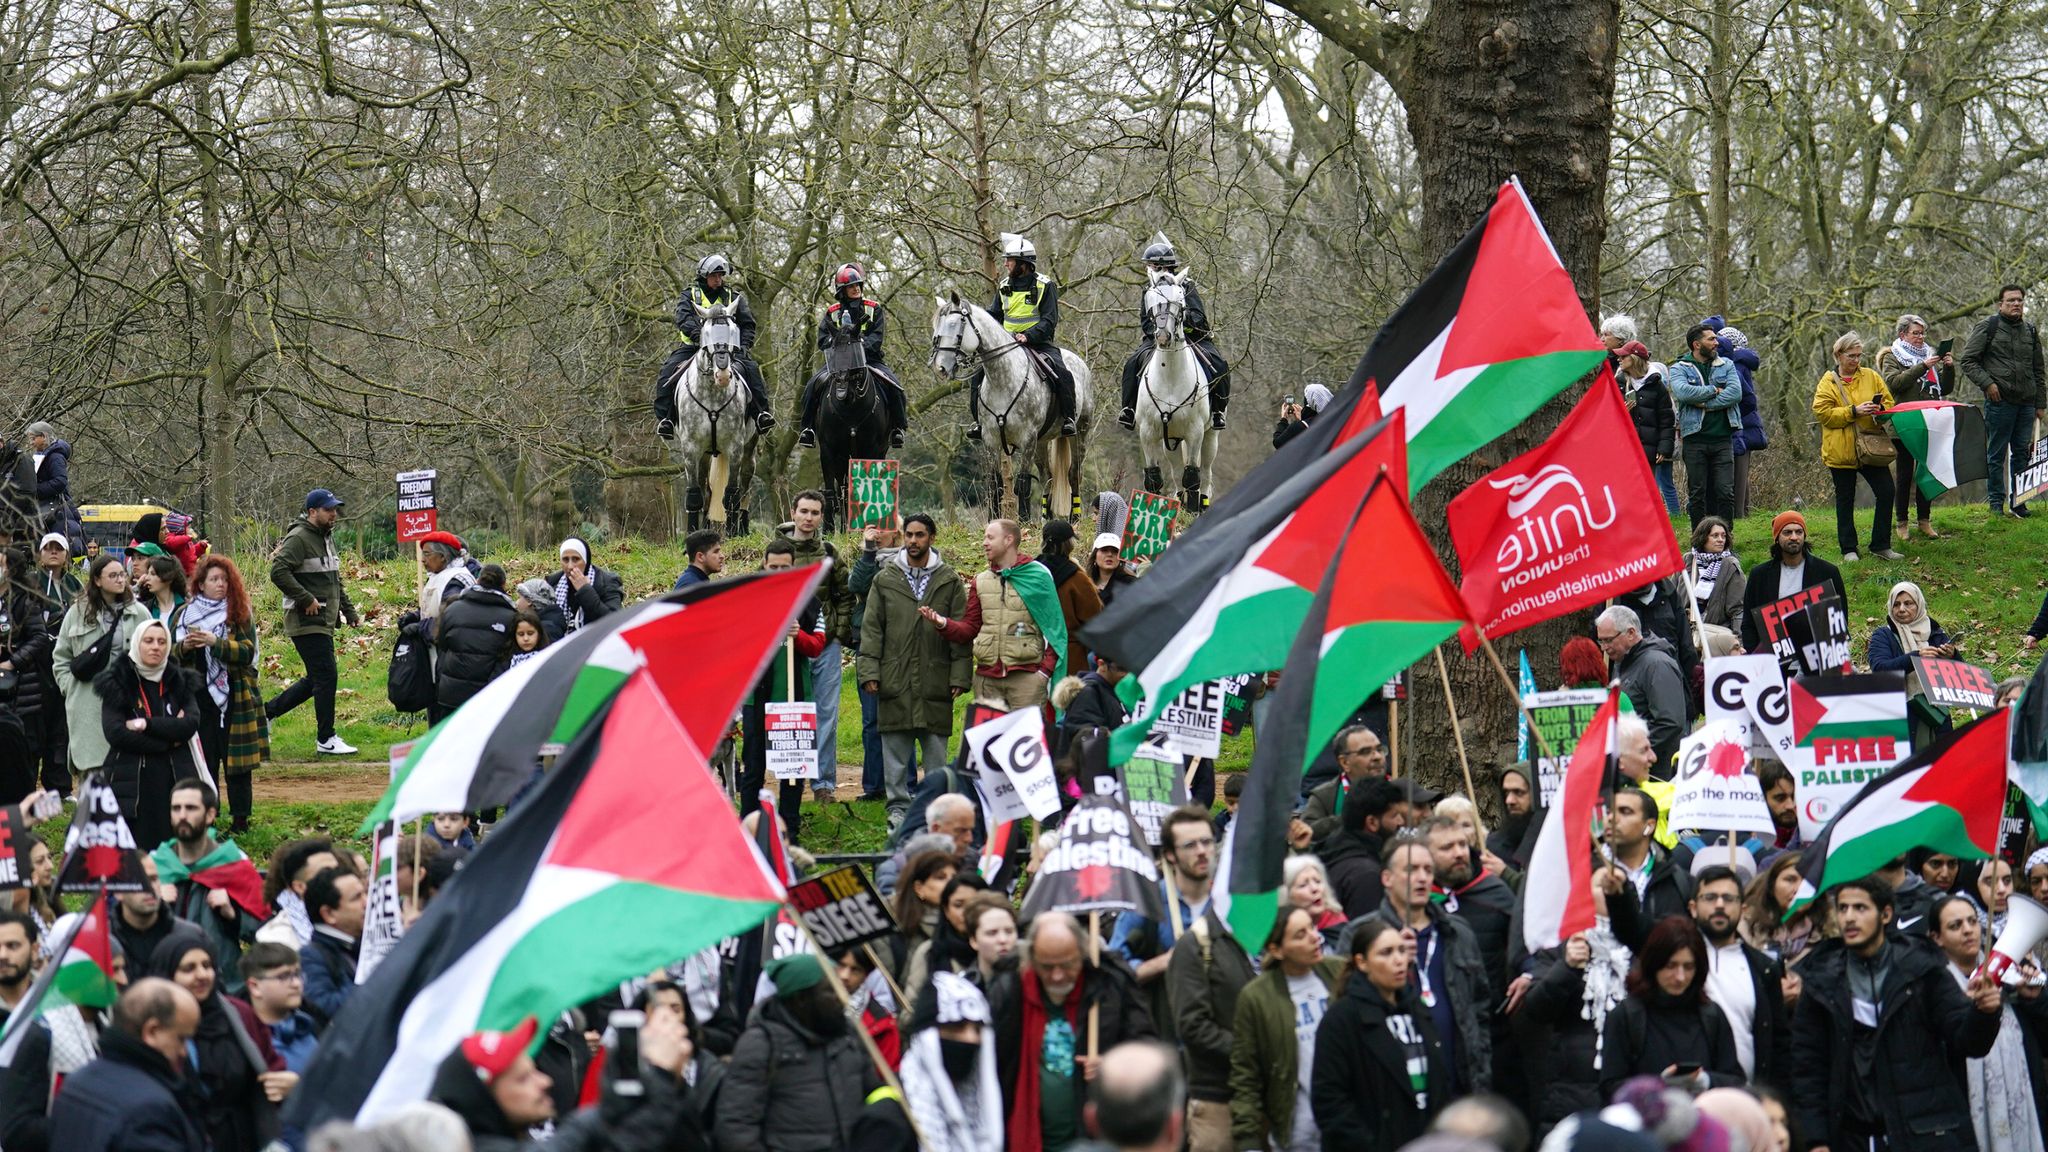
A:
{"x":704,"y":303}
{"x":1020,"y":309}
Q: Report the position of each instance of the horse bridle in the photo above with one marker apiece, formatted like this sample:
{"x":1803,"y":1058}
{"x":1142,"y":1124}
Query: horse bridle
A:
{"x":965,"y":366}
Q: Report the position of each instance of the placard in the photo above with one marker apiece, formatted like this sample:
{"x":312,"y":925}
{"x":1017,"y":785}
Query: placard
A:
{"x":15,"y":843}
{"x":1770,"y":620}
{"x":1150,"y":528}
{"x":1191,"y":723}
{"x":1097,"y":866}
{"x":792,"y":734}
{"x":1955,"y":683}
{"x":1842,"y":732}
{"x":1729,"y":686}
{"x":1395,"y":689}
{"x":417,"y":504}
{"x":1239,"y":692}
{"x":1561,"y":718}
{"x":1013,"y":766}
{"x":99,"y":849}
{"x":2013,"y":825}
{"x":842,"y":909}
{"x":1153,"y":783}
{"x":2032,"y":480}
{"x":1714,"y":788}
{"x":871,"y":488}
{"x":1819,"y":634}
{"x":383,"y":913}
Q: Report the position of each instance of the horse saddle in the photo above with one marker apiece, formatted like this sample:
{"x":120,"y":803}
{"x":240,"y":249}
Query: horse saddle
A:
{"x":1051,"y":368}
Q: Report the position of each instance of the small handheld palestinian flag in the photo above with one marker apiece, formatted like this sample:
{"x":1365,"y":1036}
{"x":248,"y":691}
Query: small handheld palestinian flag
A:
{"x":1947,"y":442}
{"x":1949,"y":796}
{"x":80,"y":973}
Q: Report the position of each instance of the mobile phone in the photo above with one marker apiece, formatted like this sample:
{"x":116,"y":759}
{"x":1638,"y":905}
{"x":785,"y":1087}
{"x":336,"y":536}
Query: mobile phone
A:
{"x":1287,"y":401}
{"x":622,"y":1045}
{"x":49,"y":806}
{"x":1684,"y":1071}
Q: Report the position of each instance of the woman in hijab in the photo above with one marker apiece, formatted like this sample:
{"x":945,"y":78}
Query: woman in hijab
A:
{"x":215,"y":635}
{"x":1908,"y":629}
{"x":583,"y":591}
{"x":2005,"y":1083}
{"x":103,"y":611}
{"x":149,"y":712}
{"x":537,"y":596}
{"x":240,"y":1076}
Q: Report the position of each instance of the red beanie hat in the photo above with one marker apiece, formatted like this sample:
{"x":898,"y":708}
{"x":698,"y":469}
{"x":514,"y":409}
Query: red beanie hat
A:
{"x":1779,"y":521}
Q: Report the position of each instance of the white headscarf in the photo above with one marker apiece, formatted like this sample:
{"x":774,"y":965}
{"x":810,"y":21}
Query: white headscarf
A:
{"x":572,"y":620}
{"x":948,"y":1119}
{"x":155,"y":674}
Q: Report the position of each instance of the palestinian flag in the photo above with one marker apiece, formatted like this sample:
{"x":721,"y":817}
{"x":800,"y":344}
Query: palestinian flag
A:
{"x":1032,"y":582}
{"x":1848,"y":707}
{"x":1948,"y":796}
{"x":1555,"y":912}
{"x":81,"y":975}
{"x":2030,"y":747}
{"x":1382,"y":603}
{"x":1947,"y":442}
{"x":696,"y":644}
{"x":1237,"y":598}
{"x":1490,"y":337}
{"x":585,"y":884}
{"x":224,"y":868}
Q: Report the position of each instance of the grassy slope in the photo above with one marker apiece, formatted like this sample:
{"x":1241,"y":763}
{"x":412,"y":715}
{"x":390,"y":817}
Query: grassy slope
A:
{"x":1987,"y":577}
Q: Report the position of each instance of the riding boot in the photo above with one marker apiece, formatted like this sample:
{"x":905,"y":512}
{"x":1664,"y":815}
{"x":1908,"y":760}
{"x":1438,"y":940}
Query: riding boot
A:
{"x":895,"y":405}
{"x":974,"y":408}
{"x":807,"y":417}
{"x":665,"y":393}
{"x":1064,"y":391}
{"x":757,"y":397}
{"x":1133,"y":364}
{"x":1219,"y":391}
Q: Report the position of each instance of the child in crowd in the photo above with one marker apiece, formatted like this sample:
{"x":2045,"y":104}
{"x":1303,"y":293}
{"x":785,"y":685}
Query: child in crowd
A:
{"x":527,"y":636}
{"x":451,"y":831}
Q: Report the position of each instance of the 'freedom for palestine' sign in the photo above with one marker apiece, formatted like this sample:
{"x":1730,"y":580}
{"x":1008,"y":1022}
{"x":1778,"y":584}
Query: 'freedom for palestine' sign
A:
{"x":1098,"y":866}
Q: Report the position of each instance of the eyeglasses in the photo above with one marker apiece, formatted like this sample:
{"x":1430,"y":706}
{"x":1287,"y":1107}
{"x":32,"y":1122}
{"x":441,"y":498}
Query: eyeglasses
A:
{"x":1610,"y":638}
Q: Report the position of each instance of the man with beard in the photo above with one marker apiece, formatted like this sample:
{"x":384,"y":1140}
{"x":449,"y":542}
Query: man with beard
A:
{"x":1041,"y":1013}
{"x":1503,"y":854}
{"x":209,"y":882}
{"x":798,"y":1076}
{"x":1752,"y":990}
{"x":501,"y":1095}
{"x":1482,"y":900}
{"x":1187,"y":856}
{"x":949,"y":1083}
{"x":1790,"y":571}
{"x":1643,"y":885}
{"x":17,"y":959}
{"x":1373,"y":812}
{"x":144,"y":922}
{"x":1781,"y":796}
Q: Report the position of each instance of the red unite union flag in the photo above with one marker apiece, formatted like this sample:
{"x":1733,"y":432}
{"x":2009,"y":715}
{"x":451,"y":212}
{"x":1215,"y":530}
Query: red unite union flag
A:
{"x":1572,"y":522}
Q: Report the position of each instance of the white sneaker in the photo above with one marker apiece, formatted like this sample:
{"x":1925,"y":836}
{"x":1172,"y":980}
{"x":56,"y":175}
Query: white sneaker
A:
{"x":1850,"y":558}
{"x":333,"y":746}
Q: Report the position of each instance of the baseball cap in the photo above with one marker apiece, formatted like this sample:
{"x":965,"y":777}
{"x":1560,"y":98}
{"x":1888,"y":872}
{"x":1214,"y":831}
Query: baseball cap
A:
{"x":322,"y":498}
{"x":492,"y":1054}
{"x":50,"y":538}
{"x":1107,"y":540}
{"x":1634,"y":348}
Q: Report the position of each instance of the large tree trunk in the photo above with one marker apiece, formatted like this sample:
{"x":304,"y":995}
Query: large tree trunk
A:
{"x":1493,"y":88}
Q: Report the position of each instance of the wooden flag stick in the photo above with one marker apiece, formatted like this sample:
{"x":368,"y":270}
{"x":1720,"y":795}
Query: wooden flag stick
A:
{"x":1095,"y":958}
{"x":858,"y":1027}
{"x":1394,"y":739}
{"x":1457,"y":732}
{"x":1535,"y":733}
{"x":894,"y":989}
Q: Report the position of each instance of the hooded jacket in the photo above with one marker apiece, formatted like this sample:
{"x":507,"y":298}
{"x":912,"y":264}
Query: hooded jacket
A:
{"x":24,"y":643}
{"x":53,"y":473}
{"x":1926,"y":1030}
{"x":1506,"y":840}
{"x":306,"y":567}
{"x":1091,"y":702}
{"x":1751,"y":436}
{"x":474,"y":639}
{"x":788,"y":1089}
{"x":835,"y":594}
{"x":916,"y":668}
{"x":1649,"y":406}
{"x":1353,"y":861}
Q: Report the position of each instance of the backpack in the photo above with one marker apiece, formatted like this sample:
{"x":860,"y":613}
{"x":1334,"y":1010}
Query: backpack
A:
{"x":410,"y":682}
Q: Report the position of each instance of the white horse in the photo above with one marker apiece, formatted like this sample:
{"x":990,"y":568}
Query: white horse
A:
{"x":712,"y":427}
{"x":1017,"y":405}
{"x":1173,"y":397}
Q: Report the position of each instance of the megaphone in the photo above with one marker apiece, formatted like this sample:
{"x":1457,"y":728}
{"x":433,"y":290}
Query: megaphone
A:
{"x":2026,"y":924}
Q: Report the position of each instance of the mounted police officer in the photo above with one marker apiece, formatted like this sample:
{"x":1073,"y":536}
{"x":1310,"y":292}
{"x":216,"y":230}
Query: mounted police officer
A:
{"x":1160,"y":257}
{"x":710,"y":291}
{"x":853,"y":312}
{"x":1028,"y":304}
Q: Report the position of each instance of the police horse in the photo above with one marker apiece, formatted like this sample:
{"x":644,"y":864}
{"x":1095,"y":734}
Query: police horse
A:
{"x":853,"y":423}
{"x":1018,"y":400}
{"x":712,"y":428}
{"x":1173,"y":397}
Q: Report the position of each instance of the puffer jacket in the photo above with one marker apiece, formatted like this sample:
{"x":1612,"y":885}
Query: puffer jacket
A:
{"x":2005,"y":353}
{"x":786,"y":1091}
{"x":306,"y":567}
{"x":474,"y":640}
{"x":1649,"y":405}
{"x":1834,"y":402}
{"x":53,"y":472}
{"x":24,"y":643}
{"x":1750,"y":438}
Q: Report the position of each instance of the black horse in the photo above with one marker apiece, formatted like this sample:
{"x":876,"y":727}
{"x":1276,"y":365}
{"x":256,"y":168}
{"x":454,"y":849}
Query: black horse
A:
{"x":853,"y":423}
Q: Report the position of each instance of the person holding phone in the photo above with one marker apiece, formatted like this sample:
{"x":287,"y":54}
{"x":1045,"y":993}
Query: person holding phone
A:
{"x":1295,"y":417}
{"x":1854,"y":441}
{"x":1667,"y":1027}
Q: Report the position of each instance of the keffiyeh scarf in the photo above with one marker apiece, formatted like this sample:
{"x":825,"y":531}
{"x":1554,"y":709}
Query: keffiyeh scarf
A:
{"x":210,"y":617}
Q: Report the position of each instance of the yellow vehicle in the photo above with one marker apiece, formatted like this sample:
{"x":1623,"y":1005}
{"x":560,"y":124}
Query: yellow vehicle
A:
{"x":110,"y":525}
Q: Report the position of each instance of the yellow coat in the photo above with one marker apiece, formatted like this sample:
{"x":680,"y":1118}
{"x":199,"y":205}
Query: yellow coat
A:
{"x":1835,"y":404}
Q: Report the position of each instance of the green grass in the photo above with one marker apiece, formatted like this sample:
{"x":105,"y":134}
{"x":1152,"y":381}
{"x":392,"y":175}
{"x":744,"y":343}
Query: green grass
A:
{"x":1986,"y":576}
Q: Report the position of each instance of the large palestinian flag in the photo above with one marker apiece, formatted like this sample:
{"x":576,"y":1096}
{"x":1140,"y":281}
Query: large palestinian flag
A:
{"x":1948,"y":796}
{"x":1381,"y":604}
{"x":1242,"y":593}
{"x":586,"y":884}
{"x":697,"y":645}
{"x":81,"y":975}
{"x":1946,"y":439}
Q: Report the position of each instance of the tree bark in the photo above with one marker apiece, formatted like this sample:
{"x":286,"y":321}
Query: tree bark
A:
{"x":1493,"y":88}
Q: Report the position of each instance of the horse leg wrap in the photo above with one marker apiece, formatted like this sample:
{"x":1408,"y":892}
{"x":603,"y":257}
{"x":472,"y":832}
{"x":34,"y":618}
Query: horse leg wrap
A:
{"x":1022,"y":486}
{"x":1191,"y":478}
{"x":1074,"y":507}
{"x":1153,"y":480}
{"x":693,"y":499}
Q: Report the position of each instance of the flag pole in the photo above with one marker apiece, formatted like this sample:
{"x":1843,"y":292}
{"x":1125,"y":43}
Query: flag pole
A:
{"x":859,"y":1028}
{"x":894,"y":989}
{"x":1394,"y":738}
{"x":1095,"y":958}
{"x":1535,"y":733}
{"x":1457,"y":732}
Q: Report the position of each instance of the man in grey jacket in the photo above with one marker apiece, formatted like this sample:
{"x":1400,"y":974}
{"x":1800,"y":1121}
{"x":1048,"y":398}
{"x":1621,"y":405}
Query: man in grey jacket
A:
{"x":2003,"y":357}
{"x":1649,"y":673}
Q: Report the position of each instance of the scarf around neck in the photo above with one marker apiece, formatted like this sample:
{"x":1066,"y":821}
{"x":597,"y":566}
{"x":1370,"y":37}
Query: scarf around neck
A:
{"x":1024,"y":1128}
{"x":211,"y":617}
{"x":1908,"y":355}
{"x":156,"y":674}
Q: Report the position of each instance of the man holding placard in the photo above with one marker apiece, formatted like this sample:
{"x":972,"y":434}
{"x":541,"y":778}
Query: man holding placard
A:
{"x":779,"y":723}
{"x":1789,"y":581}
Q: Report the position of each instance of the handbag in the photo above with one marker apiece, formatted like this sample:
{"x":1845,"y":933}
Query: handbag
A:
{"x":1874,"y":449}
{"x":409,"y":683}
{"x":90,"y":662}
